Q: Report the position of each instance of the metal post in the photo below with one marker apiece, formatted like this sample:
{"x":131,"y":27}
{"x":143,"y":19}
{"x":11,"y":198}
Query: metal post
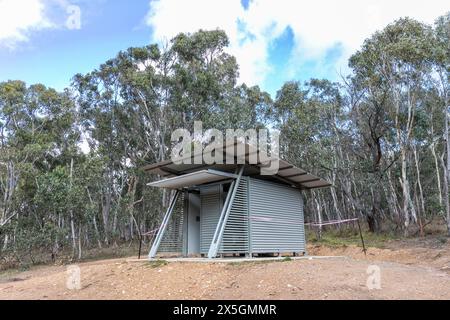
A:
{"x":362,"y":239}
{"x":140,"y":247}
{"x":249,"y":221}
{"x":163,"y":227}
{"x":218,"y":234}
{"x":185,"y":223}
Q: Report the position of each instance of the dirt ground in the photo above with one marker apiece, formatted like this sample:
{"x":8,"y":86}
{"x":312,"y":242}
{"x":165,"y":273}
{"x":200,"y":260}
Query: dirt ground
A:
{"x":408,"y":270}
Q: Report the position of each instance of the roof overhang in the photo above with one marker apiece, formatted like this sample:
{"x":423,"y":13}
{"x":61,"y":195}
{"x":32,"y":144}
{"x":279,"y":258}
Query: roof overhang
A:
{"x":287,"y":173}
{"x":193,"y":179}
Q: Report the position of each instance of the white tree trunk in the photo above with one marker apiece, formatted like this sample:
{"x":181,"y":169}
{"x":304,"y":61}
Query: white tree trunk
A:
{"x":438,"y":175}
{"x":447,"y":170}
{"x":419,"y":183}
{"x":72,"y":223}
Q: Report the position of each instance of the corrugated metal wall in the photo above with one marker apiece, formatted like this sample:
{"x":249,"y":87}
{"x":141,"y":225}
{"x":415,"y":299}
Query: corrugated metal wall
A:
{"x":276,"y":218}
{"x":235,"y":236}
{"x":172,"y":240}
{"x":211,"y":206}
{"x":266,"y":217}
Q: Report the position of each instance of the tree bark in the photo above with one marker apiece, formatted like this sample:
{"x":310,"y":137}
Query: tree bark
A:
{"x":421,"y":205}
{"x":447,"y":170}
{"x":72,"y":223}
{"x":438,"y":175}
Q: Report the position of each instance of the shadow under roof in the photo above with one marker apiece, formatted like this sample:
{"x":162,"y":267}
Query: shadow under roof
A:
{"x":192,"y":179}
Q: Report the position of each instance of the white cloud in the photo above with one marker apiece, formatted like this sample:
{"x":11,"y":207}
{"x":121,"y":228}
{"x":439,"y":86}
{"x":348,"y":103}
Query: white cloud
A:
{"x":169,"y":17}
{"x":317,"y":26}
{"x":18,"y":18}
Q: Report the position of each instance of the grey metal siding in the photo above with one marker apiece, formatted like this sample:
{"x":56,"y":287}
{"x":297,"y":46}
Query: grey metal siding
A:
{"x":235,"y":236}
{"x":173,"y":239}
{"x":276,"y":218}
{"x":211,"y":206}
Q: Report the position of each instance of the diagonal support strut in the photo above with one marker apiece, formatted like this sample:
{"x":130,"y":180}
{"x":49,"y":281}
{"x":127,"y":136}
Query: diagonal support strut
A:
{"x":163,"y":227}
{"x":218,"y":234}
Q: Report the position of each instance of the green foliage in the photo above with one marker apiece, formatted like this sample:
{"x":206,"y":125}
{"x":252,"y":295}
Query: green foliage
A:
{"x":351,"y":237}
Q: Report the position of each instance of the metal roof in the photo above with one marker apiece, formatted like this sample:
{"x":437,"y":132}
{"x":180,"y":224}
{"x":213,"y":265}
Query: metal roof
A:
{"x":192,"y":179}
{"x":287,"y":173}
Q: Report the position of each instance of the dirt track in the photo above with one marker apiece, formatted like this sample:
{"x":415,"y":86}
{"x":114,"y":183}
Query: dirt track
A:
{"x":412,"y":276}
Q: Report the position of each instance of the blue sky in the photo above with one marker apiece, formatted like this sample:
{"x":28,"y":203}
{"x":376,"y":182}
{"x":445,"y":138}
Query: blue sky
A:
{"x":53,"y":56}
{"x":274,"y":41}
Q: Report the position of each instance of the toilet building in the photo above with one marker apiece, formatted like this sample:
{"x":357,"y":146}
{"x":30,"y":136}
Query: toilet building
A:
{"x":232,"y":209}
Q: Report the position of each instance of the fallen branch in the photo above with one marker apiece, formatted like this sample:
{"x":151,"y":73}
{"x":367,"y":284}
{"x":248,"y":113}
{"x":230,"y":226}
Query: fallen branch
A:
{"x":7,"y":220}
